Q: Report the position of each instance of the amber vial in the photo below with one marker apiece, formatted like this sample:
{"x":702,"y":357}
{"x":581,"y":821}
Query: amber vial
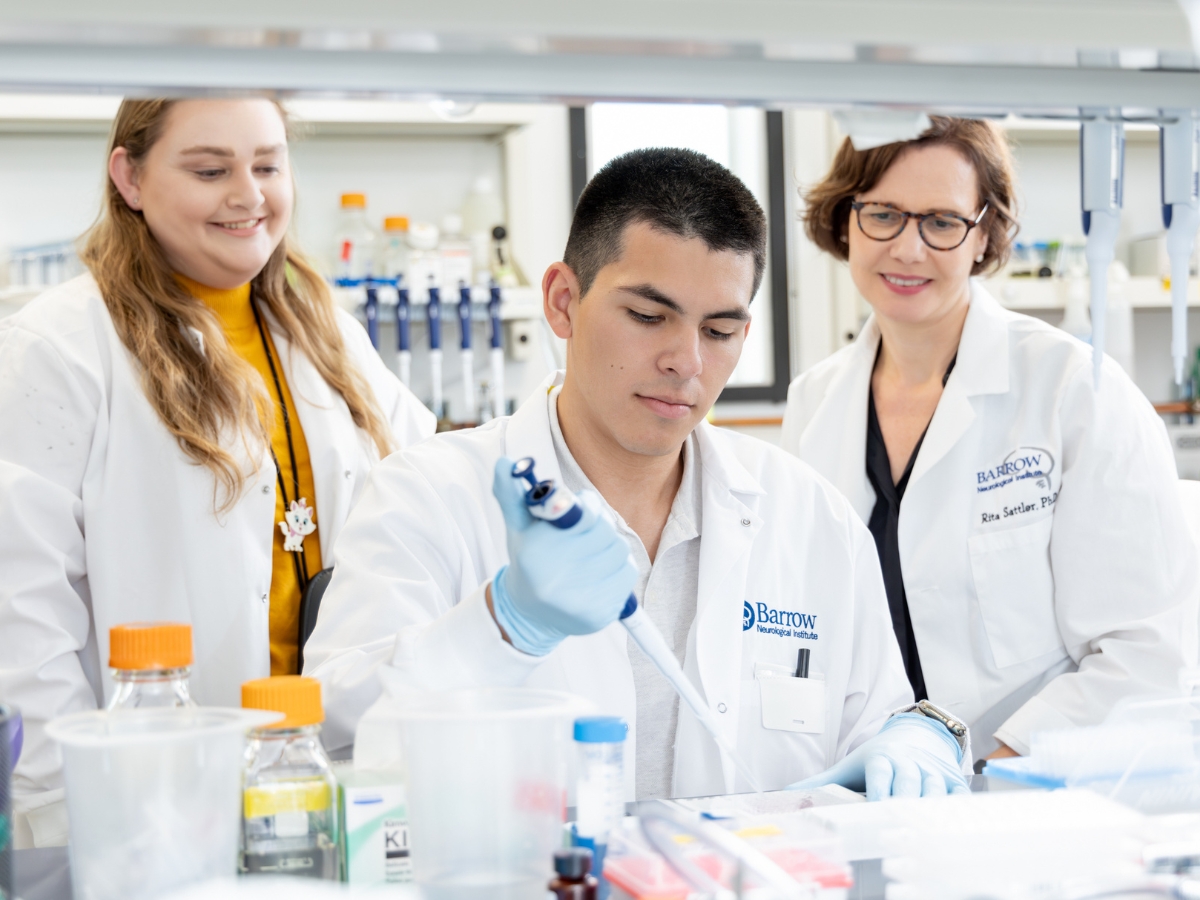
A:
{"x":573,"y":881}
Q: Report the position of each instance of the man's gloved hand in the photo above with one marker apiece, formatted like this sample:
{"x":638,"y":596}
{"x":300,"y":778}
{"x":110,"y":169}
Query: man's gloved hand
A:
{"x":912,"y":756}
{"x":559,"y":581}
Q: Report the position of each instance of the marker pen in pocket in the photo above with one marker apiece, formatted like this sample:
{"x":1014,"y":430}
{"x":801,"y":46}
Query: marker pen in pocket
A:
{"x":802,"y":663}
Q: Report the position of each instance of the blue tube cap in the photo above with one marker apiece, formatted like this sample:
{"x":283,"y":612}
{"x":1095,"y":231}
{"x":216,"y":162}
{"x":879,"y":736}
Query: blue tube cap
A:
{"x":601,"y":730}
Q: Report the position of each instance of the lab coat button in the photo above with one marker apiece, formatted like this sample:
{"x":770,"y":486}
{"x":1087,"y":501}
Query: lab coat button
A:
{"x":264,"y":598}
{"x":266,"y":489}
{"x":721,"y":707}
{"x":746,"y":522}
{"x":347,"y":473}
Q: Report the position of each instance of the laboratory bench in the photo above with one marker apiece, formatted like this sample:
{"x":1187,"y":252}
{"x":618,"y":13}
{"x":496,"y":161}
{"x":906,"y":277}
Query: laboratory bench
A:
{"x":46,"y":875}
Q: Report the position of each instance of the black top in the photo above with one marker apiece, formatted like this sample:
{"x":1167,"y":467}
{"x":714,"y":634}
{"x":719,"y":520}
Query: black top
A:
{"x":884,"y":524}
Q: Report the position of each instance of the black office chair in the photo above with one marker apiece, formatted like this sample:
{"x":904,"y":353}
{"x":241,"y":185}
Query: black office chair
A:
{"x":310,"y":605}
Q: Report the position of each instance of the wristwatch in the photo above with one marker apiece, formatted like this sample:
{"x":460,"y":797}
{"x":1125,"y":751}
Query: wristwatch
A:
{"x":956,"y":727}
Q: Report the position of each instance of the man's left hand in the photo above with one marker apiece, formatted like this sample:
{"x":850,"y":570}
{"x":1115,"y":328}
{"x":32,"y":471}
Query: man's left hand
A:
{"x":912,"y":756}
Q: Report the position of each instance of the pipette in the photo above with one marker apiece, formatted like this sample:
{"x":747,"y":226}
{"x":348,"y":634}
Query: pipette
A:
{"x":553,"y":503}
{"x":496,"y":353}
{"x":1102,"y":174}
{"x":371,"y":307}
{"x":1179,"y":151}
{"x":434,"y":317}
{"x":403,"y":339}
{"x":465,"y":355}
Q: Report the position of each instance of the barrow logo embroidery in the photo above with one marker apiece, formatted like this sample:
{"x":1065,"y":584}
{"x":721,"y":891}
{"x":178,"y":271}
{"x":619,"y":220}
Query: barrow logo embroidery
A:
{"x":780,"y":622}
{"x":1020,"y":465}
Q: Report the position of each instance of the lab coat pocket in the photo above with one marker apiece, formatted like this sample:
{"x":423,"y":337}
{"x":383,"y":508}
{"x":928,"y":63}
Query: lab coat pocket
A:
{"x":1015,"y":587}
{"x":790,"y":703}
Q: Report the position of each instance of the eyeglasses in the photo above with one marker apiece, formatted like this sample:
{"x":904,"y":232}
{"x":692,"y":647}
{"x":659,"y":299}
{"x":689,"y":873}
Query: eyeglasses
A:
{"x":939,"y":231}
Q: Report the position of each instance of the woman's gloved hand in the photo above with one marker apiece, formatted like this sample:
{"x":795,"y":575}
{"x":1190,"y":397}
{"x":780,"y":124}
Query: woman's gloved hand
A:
{"x":912,"y":756}
{"x":559,"y":581}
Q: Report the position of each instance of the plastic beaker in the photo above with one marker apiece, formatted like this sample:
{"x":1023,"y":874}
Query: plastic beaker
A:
{"x":486,"y":777}
{"x":154,"y":796}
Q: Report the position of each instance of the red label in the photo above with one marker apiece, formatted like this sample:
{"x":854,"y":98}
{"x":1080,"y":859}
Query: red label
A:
{"x":347,"y":246}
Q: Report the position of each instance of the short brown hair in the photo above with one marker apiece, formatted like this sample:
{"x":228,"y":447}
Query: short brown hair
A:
{"x":827,"y":212}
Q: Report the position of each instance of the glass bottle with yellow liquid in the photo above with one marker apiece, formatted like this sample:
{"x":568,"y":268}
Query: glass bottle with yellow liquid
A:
{"x":289,"y":805}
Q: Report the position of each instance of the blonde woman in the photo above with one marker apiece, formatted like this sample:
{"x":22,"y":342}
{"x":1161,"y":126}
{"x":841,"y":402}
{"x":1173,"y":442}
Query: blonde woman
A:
{"x":167,"y":418}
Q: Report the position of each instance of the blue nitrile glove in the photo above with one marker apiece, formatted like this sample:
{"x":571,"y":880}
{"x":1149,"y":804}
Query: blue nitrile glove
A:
{"x":559,"y":581}
{"x":912,"y":756}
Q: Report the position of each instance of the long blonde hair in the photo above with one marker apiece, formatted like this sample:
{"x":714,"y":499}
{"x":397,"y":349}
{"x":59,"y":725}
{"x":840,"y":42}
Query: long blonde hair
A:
{"x":204,"y":393}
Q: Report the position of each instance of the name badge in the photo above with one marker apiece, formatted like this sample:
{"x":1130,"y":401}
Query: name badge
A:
{"x":790,"y":703}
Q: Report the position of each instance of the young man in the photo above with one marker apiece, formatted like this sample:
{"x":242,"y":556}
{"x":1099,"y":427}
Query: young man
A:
{"x":739,"y":553}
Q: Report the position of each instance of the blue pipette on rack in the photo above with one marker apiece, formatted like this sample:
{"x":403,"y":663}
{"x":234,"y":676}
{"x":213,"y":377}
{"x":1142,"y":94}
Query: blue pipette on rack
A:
{"x":496,"y":353}
{"x":554,"y":503}
{"x":466,"y":356}
{"x":403,"y":338}
{"x":371,"y":308}
{"x":434,"y":319}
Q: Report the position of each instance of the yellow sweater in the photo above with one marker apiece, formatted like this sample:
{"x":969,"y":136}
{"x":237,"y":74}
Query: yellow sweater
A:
{"x":237,"y":318}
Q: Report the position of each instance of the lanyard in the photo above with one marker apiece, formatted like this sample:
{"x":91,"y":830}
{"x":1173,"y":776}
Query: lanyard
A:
{"x":299,"y":557}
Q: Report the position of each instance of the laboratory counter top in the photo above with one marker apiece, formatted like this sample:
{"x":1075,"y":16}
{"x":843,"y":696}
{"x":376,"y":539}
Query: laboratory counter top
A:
{"x":46,"y":875}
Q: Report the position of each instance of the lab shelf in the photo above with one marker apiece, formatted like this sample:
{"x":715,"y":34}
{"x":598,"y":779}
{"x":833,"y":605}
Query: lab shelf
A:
{"x":1143,"y":292}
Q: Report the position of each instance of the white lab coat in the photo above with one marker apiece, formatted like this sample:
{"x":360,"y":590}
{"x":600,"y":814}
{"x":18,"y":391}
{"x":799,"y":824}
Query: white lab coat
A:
{"x":103,"y":520}
{"x":1046,"y":559}
{"x":427,"y":536}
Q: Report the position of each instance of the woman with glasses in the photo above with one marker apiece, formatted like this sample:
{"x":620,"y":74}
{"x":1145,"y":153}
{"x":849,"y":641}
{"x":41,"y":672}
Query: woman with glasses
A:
{"x":1034,"y":551}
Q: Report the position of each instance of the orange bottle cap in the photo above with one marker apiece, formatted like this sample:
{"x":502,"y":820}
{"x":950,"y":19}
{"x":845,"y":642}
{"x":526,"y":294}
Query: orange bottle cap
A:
{"x":297,"y":697}
{"x":354,"y":201}
{"x":150,"y":645}
{"x":395,"y":223}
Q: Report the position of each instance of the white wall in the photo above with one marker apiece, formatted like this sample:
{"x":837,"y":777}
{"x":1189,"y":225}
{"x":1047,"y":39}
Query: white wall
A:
{"x":50,"y":186}
{"x":423,"y":178}
{"x":1048,"y":180}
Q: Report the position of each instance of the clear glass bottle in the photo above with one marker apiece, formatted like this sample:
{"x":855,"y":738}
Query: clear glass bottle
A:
{"x":395,"y":247}
{"x":356,"y":242}
{"x":424,"y":261}
{"x":457,"y":256}
{"x":289,"y":791}
{"x":151,"y":664}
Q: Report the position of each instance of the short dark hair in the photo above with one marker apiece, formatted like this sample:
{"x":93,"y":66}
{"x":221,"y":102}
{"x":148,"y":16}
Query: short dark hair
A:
{"x":674,"y":191}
